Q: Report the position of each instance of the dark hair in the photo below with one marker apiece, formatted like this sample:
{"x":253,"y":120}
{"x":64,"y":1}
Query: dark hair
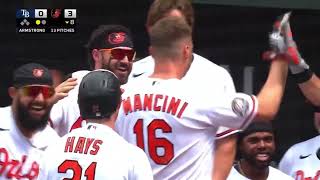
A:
{"x":159,"y":8}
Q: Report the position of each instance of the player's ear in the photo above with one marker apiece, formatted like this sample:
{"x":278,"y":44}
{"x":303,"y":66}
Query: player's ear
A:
{"x":12,"y":91}
{"x":96,"y":55}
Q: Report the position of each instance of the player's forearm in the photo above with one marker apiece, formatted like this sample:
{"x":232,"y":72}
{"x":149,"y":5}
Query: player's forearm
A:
{"x":311,"y":90}
{"x":224,"y":157}
{"x":270,"y":96}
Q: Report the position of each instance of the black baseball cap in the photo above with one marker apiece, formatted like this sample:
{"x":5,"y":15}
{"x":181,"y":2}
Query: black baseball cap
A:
{"x":254,"y":127}
{"x":32,"y":74}
{"x":110,"y":36}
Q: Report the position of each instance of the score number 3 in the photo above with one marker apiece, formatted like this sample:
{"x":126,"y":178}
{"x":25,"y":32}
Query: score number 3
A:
{"x":155,"y":142}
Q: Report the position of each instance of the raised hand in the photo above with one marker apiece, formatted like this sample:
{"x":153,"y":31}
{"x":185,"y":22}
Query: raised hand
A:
{"x":62,"y":90}
{"x":298,"y":64}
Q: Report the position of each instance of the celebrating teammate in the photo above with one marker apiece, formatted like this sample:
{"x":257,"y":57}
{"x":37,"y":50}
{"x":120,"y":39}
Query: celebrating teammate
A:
{"x":256,"y":148}
{"x":173,"y":120}
{"x":200,"y":69}
{"x":110,"y":47}
{"x":302,"y":160}
{"x":96,"y":151}
{"x":26,"y":135}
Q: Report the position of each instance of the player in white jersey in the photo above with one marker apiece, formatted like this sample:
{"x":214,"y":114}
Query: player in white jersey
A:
{"x":256,"y":148}
{"x":96,"y":151}
{"x":174,"y":121}
{"x":200,"y":70}
{"x":302,"y":160}
{"x":110,"y":47}
{"x":26,"y":133}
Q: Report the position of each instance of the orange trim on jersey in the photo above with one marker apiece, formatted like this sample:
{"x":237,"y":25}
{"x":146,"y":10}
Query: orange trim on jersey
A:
{"x":250,"y":115}
{"x":76,"y":124}
{"x":225,"y":132}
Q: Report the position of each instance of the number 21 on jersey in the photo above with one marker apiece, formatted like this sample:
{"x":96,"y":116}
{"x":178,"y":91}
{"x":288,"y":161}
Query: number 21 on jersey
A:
{"x":154,"y":143}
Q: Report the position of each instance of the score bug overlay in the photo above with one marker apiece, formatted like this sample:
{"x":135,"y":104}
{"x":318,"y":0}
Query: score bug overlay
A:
{"x":46,"y":20}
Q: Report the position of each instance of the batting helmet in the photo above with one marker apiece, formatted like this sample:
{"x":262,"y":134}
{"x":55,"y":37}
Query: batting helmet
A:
{"x":99,"y":94}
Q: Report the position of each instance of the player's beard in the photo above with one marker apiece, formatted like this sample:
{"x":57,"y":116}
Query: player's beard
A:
{"x":251,"y":159}
{"x":27,"y":121}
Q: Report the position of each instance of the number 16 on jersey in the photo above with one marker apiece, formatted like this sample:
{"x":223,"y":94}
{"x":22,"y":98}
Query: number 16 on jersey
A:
{"x":155,"y":144}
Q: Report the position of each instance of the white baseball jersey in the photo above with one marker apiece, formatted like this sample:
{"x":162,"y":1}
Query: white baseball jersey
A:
{"x":201,"y":70}
{"x":6,"y":118}
{"x":174,"y":122}
{"x":20,"y":156}
{"x":274,"y":174}
{"x":65,"y":114}
{"x":302,"y":160}
{"x":95,"y":151}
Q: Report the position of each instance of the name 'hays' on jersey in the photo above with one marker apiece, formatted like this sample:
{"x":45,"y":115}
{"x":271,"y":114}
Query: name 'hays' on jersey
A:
{"x":175,"y":124}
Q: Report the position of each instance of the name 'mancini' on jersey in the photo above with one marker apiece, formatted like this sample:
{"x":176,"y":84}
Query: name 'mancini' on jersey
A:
{"x":170,"y":105}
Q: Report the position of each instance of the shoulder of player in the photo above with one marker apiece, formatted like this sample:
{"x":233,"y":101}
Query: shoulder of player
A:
{"x":80,"y":74}
{"x":6,"y":118}
{"x":277,"y":174}
{"x":145,"y":60}
{"x":306,"y":144}
{"x":201,"y":62}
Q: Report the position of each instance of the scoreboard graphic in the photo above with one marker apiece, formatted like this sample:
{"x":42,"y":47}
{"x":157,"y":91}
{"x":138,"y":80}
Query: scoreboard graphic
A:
{"x":46,"y":20}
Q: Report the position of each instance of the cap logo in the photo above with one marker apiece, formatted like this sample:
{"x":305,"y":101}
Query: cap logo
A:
{"x":37,"y":72}
{"x":116,"y":38}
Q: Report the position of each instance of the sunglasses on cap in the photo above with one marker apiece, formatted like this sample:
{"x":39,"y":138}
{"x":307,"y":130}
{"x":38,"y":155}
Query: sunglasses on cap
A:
{"x":119,"y":54}
{"x":33,"y":91}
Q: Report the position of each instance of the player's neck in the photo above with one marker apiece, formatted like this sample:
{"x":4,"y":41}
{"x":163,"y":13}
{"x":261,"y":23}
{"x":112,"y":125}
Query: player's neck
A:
{"x":169,"y":69}
{"x":252,"y":172}
{"x":107,"y":122}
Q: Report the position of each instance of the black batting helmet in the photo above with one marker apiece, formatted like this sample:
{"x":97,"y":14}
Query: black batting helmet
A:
{"x":99,"y":94}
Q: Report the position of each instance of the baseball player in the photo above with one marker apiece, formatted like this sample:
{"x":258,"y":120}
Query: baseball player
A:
{"x":200,"y":70}
{"x":96,"y":151}
{"x":256,"y":147}
{"x":301,"y":161}
{"x":174,"y":121}
{"x":110,"y":47}
{"x":26,"y":134}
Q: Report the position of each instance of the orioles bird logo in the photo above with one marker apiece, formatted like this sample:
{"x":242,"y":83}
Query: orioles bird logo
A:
{"x":117,"y":37}
{"x":37,"y":72}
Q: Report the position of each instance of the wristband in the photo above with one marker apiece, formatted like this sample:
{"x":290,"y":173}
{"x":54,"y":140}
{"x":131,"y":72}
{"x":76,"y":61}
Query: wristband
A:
{"x":303,"y":76}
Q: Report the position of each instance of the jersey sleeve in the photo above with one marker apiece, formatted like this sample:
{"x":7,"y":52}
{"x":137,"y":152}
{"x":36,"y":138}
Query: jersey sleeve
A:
{"x":56,"y":117}
{"x":142,"y":168}
{"x":234,"y":110}
{"x":224,"y":132}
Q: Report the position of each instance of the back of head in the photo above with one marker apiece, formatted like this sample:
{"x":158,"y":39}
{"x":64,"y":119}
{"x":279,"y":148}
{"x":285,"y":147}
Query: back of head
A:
{"x":167,"y":33}
{"x":99,"y":95}
{"x":160,"y":8}
{"x":107,"y":37}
